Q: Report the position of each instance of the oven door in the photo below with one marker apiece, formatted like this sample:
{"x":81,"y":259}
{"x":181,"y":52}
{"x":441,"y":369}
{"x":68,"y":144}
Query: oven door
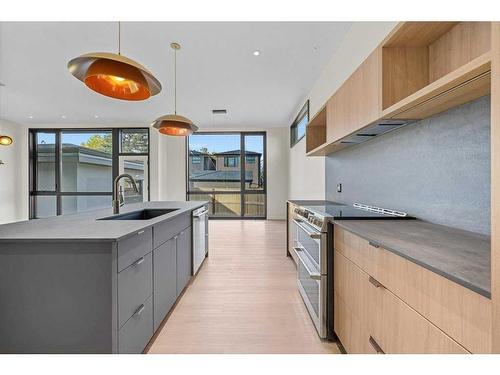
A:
{"x":313,"y":242}
{"x":312,"y":288}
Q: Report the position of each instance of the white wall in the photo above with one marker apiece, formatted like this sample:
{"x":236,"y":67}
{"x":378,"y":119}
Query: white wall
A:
{"x":307,"y":174}
{"x":14,"y":174}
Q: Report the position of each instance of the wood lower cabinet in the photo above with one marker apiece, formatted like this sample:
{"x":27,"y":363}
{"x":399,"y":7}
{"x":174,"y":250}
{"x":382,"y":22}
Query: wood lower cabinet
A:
{"x":397,"y":328}
{"x":462,"y":314}
{"x":370,"y":317}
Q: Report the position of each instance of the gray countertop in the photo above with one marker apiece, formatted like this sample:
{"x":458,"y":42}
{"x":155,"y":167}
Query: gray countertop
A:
{"x":85,"y":226}
{"x":461,"y":256}
{"x":311,"y":202}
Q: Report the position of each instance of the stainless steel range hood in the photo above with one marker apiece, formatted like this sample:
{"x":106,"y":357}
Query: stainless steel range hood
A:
{"x":374,"y":130}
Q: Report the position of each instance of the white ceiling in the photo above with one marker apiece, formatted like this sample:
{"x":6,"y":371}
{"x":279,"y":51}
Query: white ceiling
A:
{"x":216,"y":70}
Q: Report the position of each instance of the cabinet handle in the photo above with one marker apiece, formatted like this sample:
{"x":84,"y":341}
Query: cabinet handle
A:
{"x":373,"y":244}
{"x":375,"y":282}
{"x":138,"y":261}
{"x":376,"y":346}
{"x":140,"y":232}
{"x":139,"y":310}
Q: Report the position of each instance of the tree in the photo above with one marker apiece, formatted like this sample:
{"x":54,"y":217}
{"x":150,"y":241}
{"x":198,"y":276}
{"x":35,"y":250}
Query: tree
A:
{"x":100,"y":143}
{"x":135,"y":142}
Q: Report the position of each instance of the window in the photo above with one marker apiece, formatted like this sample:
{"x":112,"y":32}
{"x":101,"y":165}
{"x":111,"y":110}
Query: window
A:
{"x":298,"y":128}
{"x":73,"y":170}
{"x":231,"y":161}
{"x":233,"y":189}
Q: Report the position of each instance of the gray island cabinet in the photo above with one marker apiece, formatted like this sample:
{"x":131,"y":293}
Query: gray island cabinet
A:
{"x":77,"y":284}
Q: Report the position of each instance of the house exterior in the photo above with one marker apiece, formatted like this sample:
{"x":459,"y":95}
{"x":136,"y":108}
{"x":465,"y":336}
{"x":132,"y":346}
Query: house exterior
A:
{"x":221,"y":171}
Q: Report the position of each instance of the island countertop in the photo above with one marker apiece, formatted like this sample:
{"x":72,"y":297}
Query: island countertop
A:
{"x":460,"y":256}
{"x":85,"y":226}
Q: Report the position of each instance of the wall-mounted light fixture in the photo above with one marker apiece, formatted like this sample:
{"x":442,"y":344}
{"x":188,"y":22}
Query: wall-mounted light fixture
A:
{"x":5,"y":140}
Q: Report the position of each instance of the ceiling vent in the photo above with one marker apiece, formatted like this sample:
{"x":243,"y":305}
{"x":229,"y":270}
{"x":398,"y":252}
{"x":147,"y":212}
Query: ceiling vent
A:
{"x":219,"y":111}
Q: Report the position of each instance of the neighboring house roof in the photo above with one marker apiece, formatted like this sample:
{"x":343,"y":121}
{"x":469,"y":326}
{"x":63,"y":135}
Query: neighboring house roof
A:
{"x":85,"y":155}
{"x":237,"y":152}
{"x":198,"y":153}
{"x":220,"y":176}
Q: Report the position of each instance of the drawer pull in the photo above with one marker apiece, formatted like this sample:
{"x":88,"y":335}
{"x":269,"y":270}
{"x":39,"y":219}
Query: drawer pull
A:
{"x":376,"y":346}
{"x":373,"y":244}
{"x":140,"y":232}
{"x":138,"y":261}
{"x":139,"y":310}
{"x":375,"y":282}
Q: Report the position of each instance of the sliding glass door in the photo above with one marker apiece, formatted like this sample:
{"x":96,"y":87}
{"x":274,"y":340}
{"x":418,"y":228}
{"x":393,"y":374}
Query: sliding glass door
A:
{"x":72,"y":170}
{"x":228,"y":171}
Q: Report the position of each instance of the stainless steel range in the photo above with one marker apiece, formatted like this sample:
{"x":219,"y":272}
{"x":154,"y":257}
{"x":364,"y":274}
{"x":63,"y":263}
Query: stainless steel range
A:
{"x":313,"y":249}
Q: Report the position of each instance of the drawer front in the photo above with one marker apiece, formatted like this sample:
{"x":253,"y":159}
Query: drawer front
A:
{"x":134,"y":287}
{"x":459,"y":312}
{"x":134,"y":247}
{"x":166,"y":230}
{"x":398,"y":329}
{"x":352,"y":315}
{"x":136,"y":333}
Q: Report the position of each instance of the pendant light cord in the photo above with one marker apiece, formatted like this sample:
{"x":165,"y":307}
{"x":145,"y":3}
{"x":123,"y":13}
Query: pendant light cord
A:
{"x":175,"y":81}
{"x":119,"y":38}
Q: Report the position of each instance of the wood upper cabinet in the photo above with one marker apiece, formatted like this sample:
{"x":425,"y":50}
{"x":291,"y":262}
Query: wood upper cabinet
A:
{"x":358,"y":101}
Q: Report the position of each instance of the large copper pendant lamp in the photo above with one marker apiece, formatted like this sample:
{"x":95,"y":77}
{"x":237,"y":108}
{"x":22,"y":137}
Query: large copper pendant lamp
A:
{"x":175,"y":124}
{"x":114,"y":75}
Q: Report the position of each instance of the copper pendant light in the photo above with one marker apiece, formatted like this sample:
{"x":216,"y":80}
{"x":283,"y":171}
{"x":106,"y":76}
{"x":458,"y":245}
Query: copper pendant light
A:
{"x":175,"y":124}
{"x":114,"y":75}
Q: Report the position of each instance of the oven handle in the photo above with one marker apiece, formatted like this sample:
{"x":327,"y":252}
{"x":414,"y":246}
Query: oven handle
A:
{"x":306,"y":263}
{"x":316,"y":235}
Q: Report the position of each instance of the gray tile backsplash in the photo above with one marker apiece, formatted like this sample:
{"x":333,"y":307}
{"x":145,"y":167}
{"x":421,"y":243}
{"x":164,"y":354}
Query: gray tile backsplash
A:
{"x":437,"y":169}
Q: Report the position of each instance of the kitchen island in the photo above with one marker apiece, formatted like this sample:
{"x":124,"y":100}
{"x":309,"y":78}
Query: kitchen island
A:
{"x":93,"y":282}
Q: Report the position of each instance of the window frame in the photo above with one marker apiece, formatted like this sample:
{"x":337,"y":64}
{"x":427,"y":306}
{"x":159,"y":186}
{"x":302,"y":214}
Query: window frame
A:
{"x":243,"y":191}
{"x":58,"y":193}
{"x":304,"y":112}
{"x":231,"y":161}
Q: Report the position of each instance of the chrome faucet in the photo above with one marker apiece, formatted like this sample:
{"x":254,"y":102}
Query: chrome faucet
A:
{"x":118,"y":200}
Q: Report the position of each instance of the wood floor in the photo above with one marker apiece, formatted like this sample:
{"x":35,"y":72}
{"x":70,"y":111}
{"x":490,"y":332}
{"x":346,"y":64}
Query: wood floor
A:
{"x":244,"y":299}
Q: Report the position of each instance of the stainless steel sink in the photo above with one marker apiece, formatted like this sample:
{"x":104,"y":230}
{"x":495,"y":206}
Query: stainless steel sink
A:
{"x":146,"y":214}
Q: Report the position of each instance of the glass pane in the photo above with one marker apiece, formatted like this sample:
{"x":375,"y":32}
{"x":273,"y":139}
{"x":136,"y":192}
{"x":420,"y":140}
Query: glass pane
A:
{"x":214,"y":162}
{"x":134,"y":141}
{"x":45,"y":206}
{"x":254,"y":162}
{"x":255,"y":205}
{"x":74,"y":204}
{"x":137,"y":167}
{"x":45,"y":161}
{"x":220,"y":205}
{"x":86,"y":161}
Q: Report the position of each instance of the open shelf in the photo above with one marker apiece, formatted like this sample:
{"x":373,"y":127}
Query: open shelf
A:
{"x":316,"y":131}
{"x":429,"y":67}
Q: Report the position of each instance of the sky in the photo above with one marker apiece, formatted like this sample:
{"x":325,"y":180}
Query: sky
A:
{"x":214,"y":143}
{"x":226,"y":142}
{"x":73,"y":138}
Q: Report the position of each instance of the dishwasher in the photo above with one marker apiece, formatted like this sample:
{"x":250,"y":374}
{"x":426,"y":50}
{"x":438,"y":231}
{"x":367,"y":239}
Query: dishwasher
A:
{"x":200,"y":237}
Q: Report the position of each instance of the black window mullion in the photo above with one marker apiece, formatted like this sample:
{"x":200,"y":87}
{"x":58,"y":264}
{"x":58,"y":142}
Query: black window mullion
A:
{"x":58,"y":167}
{"x":242,"y":174}
{"x":115,"y":149}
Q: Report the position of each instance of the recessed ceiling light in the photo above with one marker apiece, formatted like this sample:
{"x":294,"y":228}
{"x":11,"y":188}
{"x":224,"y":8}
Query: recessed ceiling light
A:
{"x":63,"y":116}
{"x":256,"y":52}
{"x":30,"y":116}
{"x":95,"y":116}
